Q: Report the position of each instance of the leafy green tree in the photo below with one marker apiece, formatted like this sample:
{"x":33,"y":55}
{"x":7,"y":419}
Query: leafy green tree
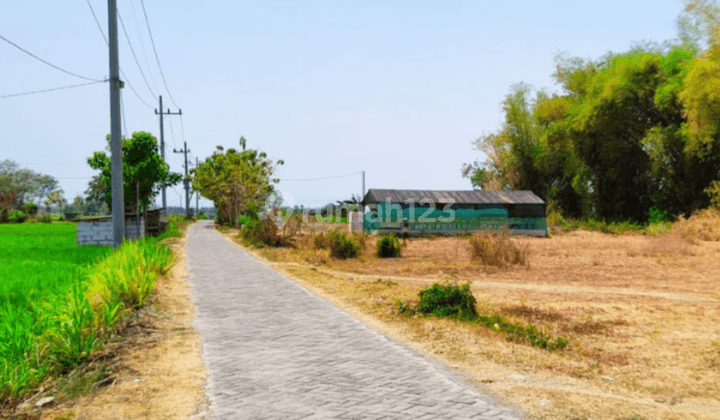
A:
{"x":143,"y":168}
{"x":56,"y":199}
{"x":237,"y":181}
{"x":28,"y":185}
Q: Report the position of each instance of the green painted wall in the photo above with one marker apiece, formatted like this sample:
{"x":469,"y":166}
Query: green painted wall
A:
{"x":459,"y":217}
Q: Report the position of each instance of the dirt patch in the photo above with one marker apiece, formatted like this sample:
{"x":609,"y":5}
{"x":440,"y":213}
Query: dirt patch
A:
{"x":640,"y":314}
{"x":155,"y":369}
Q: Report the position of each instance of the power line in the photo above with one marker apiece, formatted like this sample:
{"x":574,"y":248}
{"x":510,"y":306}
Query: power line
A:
{"x":142,"y":45}
{"x":52,"y":89}
{"x":126,"y":80}
{"x":132,"y":50}
{"x":124,"y":119}
{"x":47,"y":62}
{"x":319,"y":179}
{"x":172,"y":133}
{"x":157,"y":58}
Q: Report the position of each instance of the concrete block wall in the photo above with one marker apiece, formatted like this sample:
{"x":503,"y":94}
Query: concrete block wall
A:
{"x":95,"y":232}
{"x":100,"y":232}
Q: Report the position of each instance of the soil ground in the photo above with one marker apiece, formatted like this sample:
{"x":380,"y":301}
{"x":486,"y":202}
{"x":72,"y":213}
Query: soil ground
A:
{"x":641,"y":315}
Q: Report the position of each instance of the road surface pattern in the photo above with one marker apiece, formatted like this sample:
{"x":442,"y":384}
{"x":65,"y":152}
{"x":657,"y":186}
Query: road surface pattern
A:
{"x":275,"y":351}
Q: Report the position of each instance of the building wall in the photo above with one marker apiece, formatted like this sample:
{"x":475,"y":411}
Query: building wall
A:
{"x":446,"y":219}
{"x":100,"y":232}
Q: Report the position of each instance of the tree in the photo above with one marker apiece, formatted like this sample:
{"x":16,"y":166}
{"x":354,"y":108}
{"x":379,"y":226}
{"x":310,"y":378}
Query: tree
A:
{"x":56,"y":199}
{"x":28,"y":185}
{"x":237,"y":182}
{"x":143,"y":169}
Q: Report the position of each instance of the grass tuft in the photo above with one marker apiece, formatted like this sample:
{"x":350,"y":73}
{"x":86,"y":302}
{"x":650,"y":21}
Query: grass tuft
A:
{"x":498,"y":250}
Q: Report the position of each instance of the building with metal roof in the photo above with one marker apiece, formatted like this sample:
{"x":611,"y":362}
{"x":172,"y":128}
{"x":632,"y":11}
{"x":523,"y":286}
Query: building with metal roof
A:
{"x":450,"y":212}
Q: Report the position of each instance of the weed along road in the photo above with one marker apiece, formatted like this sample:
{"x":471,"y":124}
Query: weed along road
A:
{"x":275,"y":351}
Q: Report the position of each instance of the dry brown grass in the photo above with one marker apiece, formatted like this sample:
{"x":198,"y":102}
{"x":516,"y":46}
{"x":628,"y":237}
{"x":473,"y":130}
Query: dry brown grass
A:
{"x":704,"y":225}
{"x":499,"y":250}
{"x":641,"y":314}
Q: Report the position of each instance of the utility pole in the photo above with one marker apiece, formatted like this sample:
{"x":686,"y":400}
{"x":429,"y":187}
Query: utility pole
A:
{"x":197,"y":193}
{"x":162,"y":145}
{"x":187,"y":184}
{"x":363,"y":192}
{"x":118,"y":202}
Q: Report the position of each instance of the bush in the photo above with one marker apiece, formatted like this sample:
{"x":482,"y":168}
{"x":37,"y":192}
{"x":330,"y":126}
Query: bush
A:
{"x":46,"y":218}
{"x":448,"y":300}
{"x":702,"y":225}
{"x":320,"y":241}
{"x":496,"y":250}
{"x":388,"y":246}
{"x":17,"y":217}
{"x":31,"y":209}
{"x":202,"y":216}
{"x":341,"y":246}
{"x":260,"y":232}
{"x":4,"y":214}
{"x":61,"y":218}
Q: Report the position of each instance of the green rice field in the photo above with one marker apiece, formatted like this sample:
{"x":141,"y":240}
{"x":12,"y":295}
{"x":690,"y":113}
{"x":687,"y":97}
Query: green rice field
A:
{"x":59,"y":301}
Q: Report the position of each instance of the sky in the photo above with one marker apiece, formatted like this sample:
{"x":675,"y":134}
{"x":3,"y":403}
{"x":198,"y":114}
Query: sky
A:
{"x":396,"y":88}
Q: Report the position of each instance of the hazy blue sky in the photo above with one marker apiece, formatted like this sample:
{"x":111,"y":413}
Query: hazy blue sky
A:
{"x":397,"y":88}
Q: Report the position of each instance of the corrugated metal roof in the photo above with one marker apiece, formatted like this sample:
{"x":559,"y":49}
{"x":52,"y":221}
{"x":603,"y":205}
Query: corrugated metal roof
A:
{"x":374,"y":196}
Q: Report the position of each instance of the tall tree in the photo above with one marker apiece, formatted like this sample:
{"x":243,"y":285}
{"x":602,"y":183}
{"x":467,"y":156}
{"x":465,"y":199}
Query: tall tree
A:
{"x":28,"y":185}
{"x":143,"y":169}
{"x":238,"y":181}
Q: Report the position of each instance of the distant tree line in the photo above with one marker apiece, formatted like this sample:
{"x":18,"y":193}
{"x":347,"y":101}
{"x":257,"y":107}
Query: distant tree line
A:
{"x":630,"y":132}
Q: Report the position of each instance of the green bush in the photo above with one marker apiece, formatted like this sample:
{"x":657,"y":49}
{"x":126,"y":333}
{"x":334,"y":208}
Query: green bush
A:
{"x":31,"y":209}
{"x":202,"y":215}
{"x":657,"y":216}
{"x":341,"y":246}
{"x":246,"y":220}
{"x":17,"y":217}
{"x":448,"y":300}
{"x":320,"y":241}
{"x":46,"y":218}
{"x":4,"y":214}
{"x":61,"y":218}
{"x":260,"y":232}
{"x":388,"y":246}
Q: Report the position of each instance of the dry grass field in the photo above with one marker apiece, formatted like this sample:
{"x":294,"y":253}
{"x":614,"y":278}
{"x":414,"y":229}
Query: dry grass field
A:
{"x":641,"y":315}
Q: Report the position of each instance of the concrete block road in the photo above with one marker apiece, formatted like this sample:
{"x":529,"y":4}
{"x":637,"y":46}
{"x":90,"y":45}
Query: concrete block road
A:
{"x":275,"y":351}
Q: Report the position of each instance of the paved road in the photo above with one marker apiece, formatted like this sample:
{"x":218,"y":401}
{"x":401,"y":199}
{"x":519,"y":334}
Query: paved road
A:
{"x":275,"y":351}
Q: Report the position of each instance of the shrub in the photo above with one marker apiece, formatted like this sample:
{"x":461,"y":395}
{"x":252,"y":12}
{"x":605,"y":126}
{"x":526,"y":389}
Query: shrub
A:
{"x":4,"y":214}
{"x":202,"y":216}
{"x":702,"y":225}
{"x":341,"y":246}
{"x":657,"y":216}
{"x":496,"y":250}
{"x":260,"y":232}
{"x":388,"y":246}
{"x":31,"y":209}
{"x":17,"y":217}
{"x":46,"y":218}
{"x":61,"y":218}
{"x":448,"y":300}
{"x":320,"y":241}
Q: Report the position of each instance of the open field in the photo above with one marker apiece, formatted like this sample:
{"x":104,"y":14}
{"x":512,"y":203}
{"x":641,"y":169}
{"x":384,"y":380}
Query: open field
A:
{"x":641,"y":315}
{"x":60,"y":303}
{"x":39,"y":265}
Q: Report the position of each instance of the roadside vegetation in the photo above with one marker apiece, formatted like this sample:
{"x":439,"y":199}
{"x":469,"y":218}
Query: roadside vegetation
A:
{"x":59,"y":303}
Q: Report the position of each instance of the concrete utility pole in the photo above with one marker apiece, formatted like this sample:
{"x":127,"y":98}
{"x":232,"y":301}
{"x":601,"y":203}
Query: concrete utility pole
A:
{"x":197,"y":193}
{"x":187,"y":184}
{"x":162,"y":145}
{"x":363,"y":191}
{"x":118,"y":202}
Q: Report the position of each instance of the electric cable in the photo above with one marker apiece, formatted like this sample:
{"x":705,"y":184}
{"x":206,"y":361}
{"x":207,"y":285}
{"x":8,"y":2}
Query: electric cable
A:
{"x":47,"y":62}
{"x":51,"y":89}
{"x":172,"y":133}
{"x":157,"y":58}
{"x":126,"y":80}
{"x":132,"y":50}
{"x":142,"y":45}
